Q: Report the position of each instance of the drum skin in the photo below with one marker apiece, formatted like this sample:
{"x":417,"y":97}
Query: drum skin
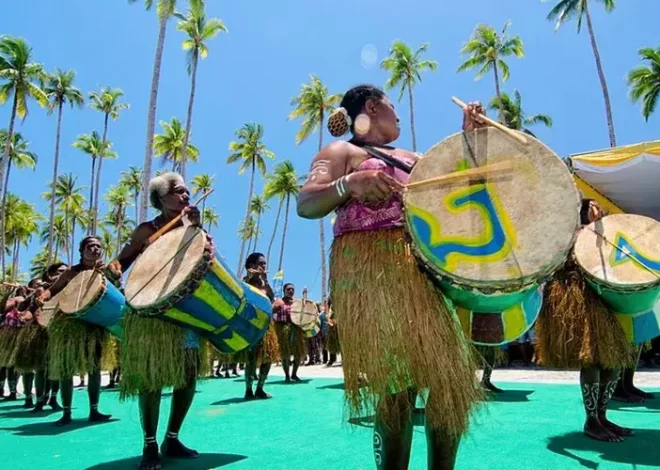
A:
{"x":304,"y":312}
{"x":47,"y":312}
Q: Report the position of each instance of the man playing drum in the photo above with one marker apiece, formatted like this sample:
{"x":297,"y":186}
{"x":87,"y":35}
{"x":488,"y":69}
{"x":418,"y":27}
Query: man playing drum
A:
{"x":75,"y":345}
{"x":395,"y":326}
{"x":157,"y":354}
{"x":289,"y":336}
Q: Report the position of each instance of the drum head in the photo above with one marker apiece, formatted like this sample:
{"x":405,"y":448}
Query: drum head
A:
{"x":47,"y":312}
{"x":621,"y":251}
{"x":82,"y":292}
{"x":303,"y":312}
{"x":166,"y":267}
{"x":509,"y":229}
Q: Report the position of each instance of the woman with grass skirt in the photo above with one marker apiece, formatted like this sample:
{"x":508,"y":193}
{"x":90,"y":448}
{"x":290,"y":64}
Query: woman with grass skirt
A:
{"x":576,"y":330}
{"x":397,"y":330}
{"x":76,"y":346}
{"x":290,"y":337}
{"x":157,"y":354}
{"x":10,"y":328}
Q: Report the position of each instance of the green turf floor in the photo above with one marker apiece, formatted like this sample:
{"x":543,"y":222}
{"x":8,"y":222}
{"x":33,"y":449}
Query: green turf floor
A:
{"x":531,"y":426}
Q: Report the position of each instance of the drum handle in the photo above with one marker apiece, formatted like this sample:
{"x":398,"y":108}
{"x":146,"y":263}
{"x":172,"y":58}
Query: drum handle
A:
{"x":516,"y":135}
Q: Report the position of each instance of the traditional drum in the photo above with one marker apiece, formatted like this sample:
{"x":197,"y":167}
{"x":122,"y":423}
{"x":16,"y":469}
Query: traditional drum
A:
{"x":179,"y":278}
{"x":619,"y":256}
{"x":48,"y":310}
{"x":304,"y":312}
{"x":91,"y":297}
{"x":312,"y":329}
{"x":490,"y":242}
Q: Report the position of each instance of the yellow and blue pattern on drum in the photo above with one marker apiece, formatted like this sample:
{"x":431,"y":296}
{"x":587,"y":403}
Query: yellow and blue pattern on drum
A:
{"x":641,"y":327}
{"x":314,"y":330}
{"x":232,"y":314}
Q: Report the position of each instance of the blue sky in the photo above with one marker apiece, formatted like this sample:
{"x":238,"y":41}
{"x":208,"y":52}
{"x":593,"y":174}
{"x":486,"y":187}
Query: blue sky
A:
{"x":252,"y":73}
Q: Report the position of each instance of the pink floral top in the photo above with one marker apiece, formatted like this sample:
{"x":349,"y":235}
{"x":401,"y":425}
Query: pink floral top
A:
{"x":12,"y":320}
{"x":355,"y":216}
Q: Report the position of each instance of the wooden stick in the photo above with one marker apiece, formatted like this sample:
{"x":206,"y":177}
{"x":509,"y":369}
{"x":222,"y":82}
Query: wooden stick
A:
{"x":166,"y":228}
{"x":471,"y":173}
{"x":516,"y":135}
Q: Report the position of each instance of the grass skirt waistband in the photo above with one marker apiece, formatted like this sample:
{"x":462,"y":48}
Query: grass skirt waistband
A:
{"x":291,"y":339}
{"x":31,"y":351}
{"x":8,"y":340}
{"x":575,"y":329}
{"x":398,"y":332}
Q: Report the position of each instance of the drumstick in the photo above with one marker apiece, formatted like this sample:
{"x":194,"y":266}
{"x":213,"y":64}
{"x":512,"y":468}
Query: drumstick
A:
{"x":165,"y":228}
{"x":493,"y":123}
{"x":499,"y":167}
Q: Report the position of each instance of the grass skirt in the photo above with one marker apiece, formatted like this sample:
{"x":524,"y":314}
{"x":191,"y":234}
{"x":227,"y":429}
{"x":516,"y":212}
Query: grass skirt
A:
{"x":575,"y":329}
{"x":398,"y":330}
{"x":154,"y":356}
{"x":331,"y":340}
{"x":291,"y":340}
{"x":267,"y":350}
{"x":8,"y":340}
{"x":31,"y":351}
{"x":75,"y":347}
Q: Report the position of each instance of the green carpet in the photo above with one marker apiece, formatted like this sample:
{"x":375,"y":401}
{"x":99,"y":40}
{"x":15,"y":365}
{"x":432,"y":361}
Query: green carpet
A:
{"x":531,"y":426}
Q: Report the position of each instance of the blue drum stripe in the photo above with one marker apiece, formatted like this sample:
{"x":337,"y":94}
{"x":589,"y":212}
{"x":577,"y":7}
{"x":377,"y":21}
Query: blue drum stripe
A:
{"x":223,"y":291}
{"x":201,"y":310}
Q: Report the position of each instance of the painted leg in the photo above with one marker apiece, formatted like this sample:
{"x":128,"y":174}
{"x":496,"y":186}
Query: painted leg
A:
{"x":489,"y":360}
{"x":149,"y":413}
{"x":590,"y":386}
{"x":441,"y":448}
{"x":392,"y":444}
{"x":41,"y":390}
{"x":66,"y":387}
{"x":608,"y":380}
{"x":264,"y":369}
{"x":28,"y":381}
{"x":181,"y":401}
{"x":94,"y":392}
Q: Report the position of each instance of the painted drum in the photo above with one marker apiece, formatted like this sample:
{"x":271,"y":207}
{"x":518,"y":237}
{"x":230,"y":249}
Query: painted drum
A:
{"x":619,"y":256}
{"x":312,"y":329}
{"x":181,"y":279}
{"x":304,"y":312}
{"x":91,"y":297}
{"x":46,"y":313}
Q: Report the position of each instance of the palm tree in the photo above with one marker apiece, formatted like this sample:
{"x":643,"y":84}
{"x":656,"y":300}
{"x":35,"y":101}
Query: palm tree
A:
{"x":132,"y":180}
{"x":405,"y":71}
{"x":19,"y":156}
{"x":105,"y":101}
{"x":564,"y":11}
{"x":19,"y":81}
{"x":247,"y":229}
{"x":199,"y":30}
{"x":251,"y":152}
{"x":200,"y":185}
{"x":93,"y":145}
{"x":258,"y":206}
{"x":60,"y":90}
{"x":284,"y":183}
{"x":61,"y":233}
{"x":107,"y":242}
{"x":211,"y":217}
{"x":21,"y":225}
{"x":119,"y":199}
{"x":164,"y":9}
{"x":487,"y":50}
{"x":70,"y":203}
{"x":39,"y":264}
{"x":169,"y":144}
{"x":514,"y":116}
{"x":312,"y":103}
{"x":644,"y":82}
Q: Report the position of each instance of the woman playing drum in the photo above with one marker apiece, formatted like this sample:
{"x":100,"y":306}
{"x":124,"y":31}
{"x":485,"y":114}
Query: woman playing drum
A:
{"x":576,"y":330}
{"x":397,"y":331}
{"x":290,"y":337}
{"x":157,"y":354}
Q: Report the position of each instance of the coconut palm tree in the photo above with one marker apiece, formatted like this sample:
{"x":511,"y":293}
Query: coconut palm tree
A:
{"x":119,"y":199}
{"x":199,"y":30}
{"x":247,"y":229}
{"x":19,"y":156}
{"x":644,"y":81}
{"x":258,"y":206}
{"x":251,"y":152}
{"x":105,"y":101}
{"x":487,"y":49}
{"x":200,"y":185}
{"x":62,"y":235}
{"x":60,"y":90}
{"x":132,"y":180}
{"x":169,"y":144}
{"x":211,"y":217}
{"x":579,"y":9}
{"x":514,"y":116}
{"x":21,"y":225}
{"x":312,"y":104}
{"x":107,"y":242}
{"x":20,"y":81}
{"x":165,"y":10}
{"x":40,"y":263}
{"x":70,"y":203}
{"x":405,"y":69}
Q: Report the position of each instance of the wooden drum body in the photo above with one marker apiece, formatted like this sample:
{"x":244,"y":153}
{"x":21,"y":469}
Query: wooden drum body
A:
{"x":490,"y":243}
{"x":619,"y":256}
{"x":179,"y":278}
{"x":46,"y":313}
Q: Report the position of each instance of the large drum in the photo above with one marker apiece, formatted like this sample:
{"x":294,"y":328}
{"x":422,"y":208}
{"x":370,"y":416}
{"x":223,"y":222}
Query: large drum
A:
{"x":46,"y":313}
{"x":91,"y":297}
{"x":490,"y":243}
{"x":179,"y":278}
{"x":304,"y":312}
{"x":620,"y":258}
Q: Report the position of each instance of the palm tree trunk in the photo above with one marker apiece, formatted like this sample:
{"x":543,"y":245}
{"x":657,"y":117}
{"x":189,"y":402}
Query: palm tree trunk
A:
{"x":56,"y":163}
{"x":272,"y":238}
{"x":97,"y":186}
{"x":4,"y":162}
{"x":4,"y":202}
{"x":151,"y":117}
{"x":191,"y":101}
{"x":120,"y":226}
{"x":498,"y":93}
{"x":201,"y":219}
{"x":14,"y":260}
{"x":247,"y":216}
{"x":601,"y":77}
{"x":412,"y":117}
{"x":91,"y":196}
{"x":137,"y":208}
{"x":286,"y":223}
{"x":73,"y":236}
{"x":256,"y":232}
{"x":69,"y":248}
{"x":324,"y":267}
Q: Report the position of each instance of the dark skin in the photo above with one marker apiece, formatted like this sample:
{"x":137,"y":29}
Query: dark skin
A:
{"x":289,"y":292}
{"x":174,"y":203}
{"x":319,"y":197}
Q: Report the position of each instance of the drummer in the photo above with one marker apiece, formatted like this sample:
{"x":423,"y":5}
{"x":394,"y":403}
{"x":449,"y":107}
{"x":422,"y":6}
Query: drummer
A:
{"x":290,"y":337}
{"x":395,"y":326}
{"x":151,"y":359}
{"x":73,"y":343}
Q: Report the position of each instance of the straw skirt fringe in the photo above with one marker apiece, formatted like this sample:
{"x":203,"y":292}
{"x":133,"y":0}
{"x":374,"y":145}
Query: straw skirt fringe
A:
{"x":291,"y":339}
{"x":31,"y":350}
{"x":8,"y":340}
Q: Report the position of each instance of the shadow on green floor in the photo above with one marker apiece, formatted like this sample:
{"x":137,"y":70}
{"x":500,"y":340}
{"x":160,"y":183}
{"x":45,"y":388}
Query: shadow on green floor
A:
{"x":48,"y":428}
{"x":510,"y":396}
{"x":284,"y":382}
{"x":339,"y":386}
{"x":647,"y":406}
{"x":25,"y":413}
{"x":204,"y":462}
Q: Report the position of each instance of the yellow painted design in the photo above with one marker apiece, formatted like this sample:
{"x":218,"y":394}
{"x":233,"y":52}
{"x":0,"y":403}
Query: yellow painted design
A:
{"x":261,"y":320}
{"x":617,"y":155}
{"x":207,"y":294}
{"x":626,"y":322}
{"x":588,"y":192}
{"x":187,"y":319}
{"x":514,"y":321}
{"x":236,"y":342}
{"x":465,"y":317}
{"x":226,"y":278}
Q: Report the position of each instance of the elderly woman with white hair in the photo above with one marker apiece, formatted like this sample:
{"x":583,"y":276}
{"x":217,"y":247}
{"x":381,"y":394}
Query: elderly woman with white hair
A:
{"x":157,"y":354}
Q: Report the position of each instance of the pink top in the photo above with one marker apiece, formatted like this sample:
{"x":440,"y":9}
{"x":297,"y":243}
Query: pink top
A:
{"x":355,"y":215}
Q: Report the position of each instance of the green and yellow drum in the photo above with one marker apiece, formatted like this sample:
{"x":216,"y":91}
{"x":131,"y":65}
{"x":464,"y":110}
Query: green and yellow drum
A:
{"x":181,"y":279}
{"x":490,"y":242}
{"x":619,"y":256}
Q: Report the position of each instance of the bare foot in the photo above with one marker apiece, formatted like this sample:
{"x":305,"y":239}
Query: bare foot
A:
{"x":616,"y":429}
{"x":595,"y":430}
{"x":488,"y":385}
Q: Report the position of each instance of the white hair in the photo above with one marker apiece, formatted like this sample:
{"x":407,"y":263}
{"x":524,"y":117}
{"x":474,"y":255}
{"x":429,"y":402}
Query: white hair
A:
{"x":161,"y":185}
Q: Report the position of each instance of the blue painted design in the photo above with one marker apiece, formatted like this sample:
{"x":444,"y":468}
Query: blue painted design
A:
{"x":223,"y":290}
{"x":192,"y":340}
{"x":532,"y":305}
{"x":201,"y":310}
{"x":108,"y":310}
{"x":257,"y":299}
{"x":626,"y":246}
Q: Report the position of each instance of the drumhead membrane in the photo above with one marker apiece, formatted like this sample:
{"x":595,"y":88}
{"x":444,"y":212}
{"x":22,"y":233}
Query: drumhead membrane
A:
{"x":508,"y":229}
{"x":82,"y":292}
